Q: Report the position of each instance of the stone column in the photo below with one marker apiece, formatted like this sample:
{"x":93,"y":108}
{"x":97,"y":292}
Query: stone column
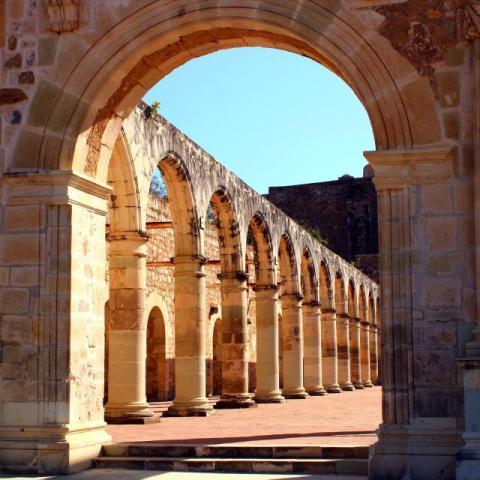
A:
{"x":365,"y":377}
{"x":330,"y":351}
{"x":190,"y":334}
{"x":292,"y":324}
{"x":234,"y":290}
{"x":419,"y":437}
{"x":343,"y":336}
{"x":355,"y":346}
{"x":127,"y":401}
{"x":52,"y":307}
{"x":266,"y":304}
{"x":313,"y":348}
{"x":374,"y":354}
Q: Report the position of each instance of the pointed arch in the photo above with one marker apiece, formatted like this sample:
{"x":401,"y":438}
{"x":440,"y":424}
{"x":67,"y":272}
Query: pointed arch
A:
{"x":326,"y":293}
{"x":259,"y":235}
{"x":228,"y":231}
{"x":124,"y":208}
{"x":352,"y":300}
{"x":340,"y":296}
{"x":288,"y":266}
{"x":309,"y":281}
{"x":182,"y":206}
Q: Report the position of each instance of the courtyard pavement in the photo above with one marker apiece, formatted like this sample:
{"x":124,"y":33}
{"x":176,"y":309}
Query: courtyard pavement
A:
{"x":348,"y":418}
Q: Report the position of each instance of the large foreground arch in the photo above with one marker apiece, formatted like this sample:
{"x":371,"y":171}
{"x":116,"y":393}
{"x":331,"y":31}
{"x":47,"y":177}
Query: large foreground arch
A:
{"x":56,"y":152}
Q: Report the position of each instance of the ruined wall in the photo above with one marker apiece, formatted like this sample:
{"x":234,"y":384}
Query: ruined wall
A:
{"x":344,"y":211}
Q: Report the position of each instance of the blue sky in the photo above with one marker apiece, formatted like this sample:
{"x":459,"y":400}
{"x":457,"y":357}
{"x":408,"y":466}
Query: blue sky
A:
{"x":272,"y":117}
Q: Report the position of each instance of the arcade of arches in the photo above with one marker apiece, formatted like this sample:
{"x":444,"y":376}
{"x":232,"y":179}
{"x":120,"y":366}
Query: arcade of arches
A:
{"x":74,"y":148}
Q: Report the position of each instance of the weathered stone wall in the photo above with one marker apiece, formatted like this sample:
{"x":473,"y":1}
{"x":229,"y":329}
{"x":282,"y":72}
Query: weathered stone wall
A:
{"x":343,"y":211}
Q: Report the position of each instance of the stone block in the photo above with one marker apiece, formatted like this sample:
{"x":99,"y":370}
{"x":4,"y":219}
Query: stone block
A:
{"x":441,"y":233}
{"x":440,"y":292}
{"x":14,"y":300}
{"x":436,"y":199}
{"x":24,"y":217}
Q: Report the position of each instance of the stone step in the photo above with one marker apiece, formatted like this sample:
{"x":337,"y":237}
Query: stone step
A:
{"x":322,"y":466}
{"x":234,"y":451}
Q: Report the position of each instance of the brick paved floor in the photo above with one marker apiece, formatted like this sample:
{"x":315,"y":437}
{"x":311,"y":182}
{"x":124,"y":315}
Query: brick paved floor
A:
{"x":349,"y":418}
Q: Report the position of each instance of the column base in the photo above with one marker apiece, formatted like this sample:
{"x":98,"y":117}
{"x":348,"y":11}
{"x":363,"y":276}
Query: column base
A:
{"x":368,"y":384}
{"x":359,"y":386}
{"x":189,"y":409}
{"x":51,"y":450}
{"x":335,"y":388}
{"x":468,"y":459}
{"x":136,"y":414}
{"x":347,"y":387}
{"x":425,"y":450}
{"x":240,"y":401}
{"x":316,"y":391}
{"x":269,"y":397}
{"x":295,"y":395}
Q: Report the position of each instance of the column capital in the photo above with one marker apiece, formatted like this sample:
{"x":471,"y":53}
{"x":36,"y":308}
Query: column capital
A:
{"x":258,"y":288}
{"x":127,"y":244}
{"x":238,"y":276}
{"x":396,"y":169}
{"x":56,"y":187}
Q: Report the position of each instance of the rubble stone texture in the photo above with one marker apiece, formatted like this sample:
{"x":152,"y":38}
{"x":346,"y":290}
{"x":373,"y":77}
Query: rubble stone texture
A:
{"x":74,"y":149}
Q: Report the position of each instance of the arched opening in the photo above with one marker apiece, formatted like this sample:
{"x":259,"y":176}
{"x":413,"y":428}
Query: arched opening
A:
{"x":158,"y":375}
{"x":266,"y":313}
{"x":292,"y":324}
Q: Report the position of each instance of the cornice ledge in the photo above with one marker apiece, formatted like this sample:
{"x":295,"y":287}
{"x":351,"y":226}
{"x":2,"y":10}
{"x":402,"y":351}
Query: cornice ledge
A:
{"x":55,"y":178}
{"x":399,"y":168}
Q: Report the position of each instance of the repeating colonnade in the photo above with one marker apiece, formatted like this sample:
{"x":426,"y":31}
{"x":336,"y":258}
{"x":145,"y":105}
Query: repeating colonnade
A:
{"x":326,"y":324}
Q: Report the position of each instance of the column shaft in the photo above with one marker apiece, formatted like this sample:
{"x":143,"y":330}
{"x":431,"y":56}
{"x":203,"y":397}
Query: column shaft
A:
{"x":190,"y":333}
{"x":330,"y":351}
{"x":343,"y":335}
{"x":355,"y":356}
{"x":266,"y":302}
{"x":127,"y":402}
{"x":374,"y":354}
{"x":292,"y":326}
{"x":313,"y":349}
{"x":365,"y":355}
{"x":234,"y":342}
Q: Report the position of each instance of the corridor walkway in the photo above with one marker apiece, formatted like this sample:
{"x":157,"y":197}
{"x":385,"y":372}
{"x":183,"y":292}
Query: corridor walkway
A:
{"x":349,"y":418}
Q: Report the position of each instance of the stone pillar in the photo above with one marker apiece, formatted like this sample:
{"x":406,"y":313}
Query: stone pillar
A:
{"x":234,"y":342}
{"x":365,"y":355}
{"x":52,"y":306}
{"x":374,"y":354}
{"x":266,"y":304}
{"x":313,"y":348}
{"x":292,"y":325}
{"x":355,"y":356}
{"x":343,"y":336}
{"x":419,"y":437}
{"x":330,"y":351}
{"x":190,"y":334}
{"x":127,"y":401}
{"x":468,"y":459}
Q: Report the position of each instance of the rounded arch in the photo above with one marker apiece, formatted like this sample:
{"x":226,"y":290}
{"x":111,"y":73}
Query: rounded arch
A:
{"x":326,"y":293}
{"x":182,"y":206}
{"x":340,"y":296}
{"x":228,"y":231}
{"x":308,"y":277}
{"x":259,"y":235}
{"x":108,"y":79}
{"x":288,"y":265}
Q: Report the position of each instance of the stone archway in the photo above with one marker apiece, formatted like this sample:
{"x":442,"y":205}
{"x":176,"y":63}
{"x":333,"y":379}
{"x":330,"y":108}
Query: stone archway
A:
{"x":60,"y":160}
